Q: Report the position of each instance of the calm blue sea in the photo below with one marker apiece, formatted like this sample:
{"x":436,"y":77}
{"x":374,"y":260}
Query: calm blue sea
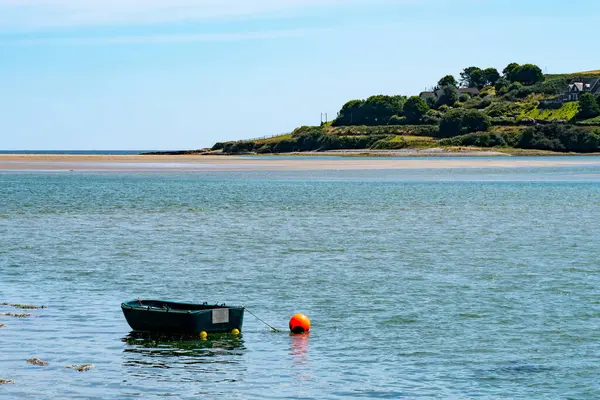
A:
{"x":420,"y":284}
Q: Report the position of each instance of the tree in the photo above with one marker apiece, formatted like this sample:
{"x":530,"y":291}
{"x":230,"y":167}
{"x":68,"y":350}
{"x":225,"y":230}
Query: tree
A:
{"x":509,"y":71}
{"x":588,"y":106}
{"x":475,"y":121}
{"x":431,"y":100}
{"x":490,"y":76}
{"x":379,"y":109}
{"x":352,"y":113}
{"x":501,"y":83}
{"x":457,"y":122}
{"x":527,"y":74}
{"x":451,"y":123}
{"x":471,"y":77}
{"x":448,"y":80}
{"x":449,"y":96}
{"x":376,"y":110}
{"x":415,"y":108}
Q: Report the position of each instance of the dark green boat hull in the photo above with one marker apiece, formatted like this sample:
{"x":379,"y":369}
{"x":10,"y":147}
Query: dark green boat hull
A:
{"x":185,"y":318}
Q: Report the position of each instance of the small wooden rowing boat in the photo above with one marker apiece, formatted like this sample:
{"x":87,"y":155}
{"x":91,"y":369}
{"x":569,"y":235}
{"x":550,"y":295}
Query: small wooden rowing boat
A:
{"x":188,"y":318}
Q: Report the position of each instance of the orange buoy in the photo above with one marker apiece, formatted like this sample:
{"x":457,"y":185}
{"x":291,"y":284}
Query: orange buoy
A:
{"x":299,"y":323}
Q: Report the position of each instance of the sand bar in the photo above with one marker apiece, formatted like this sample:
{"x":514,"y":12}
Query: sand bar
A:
{"x":45,"y":162}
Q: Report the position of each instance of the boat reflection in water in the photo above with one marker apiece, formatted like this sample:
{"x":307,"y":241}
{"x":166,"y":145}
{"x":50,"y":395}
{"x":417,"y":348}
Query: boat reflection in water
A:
{"x":158,"y":356}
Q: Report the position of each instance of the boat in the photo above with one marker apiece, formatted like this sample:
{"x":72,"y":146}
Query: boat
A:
{"x":183,"y":318}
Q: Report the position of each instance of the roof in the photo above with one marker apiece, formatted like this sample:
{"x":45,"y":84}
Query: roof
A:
{"x":584,"y":85}
{"x":471,"y":90}
{"x":586,"y":81}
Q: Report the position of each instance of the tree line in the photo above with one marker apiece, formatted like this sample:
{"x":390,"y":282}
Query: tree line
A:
{"x":385,"y":110}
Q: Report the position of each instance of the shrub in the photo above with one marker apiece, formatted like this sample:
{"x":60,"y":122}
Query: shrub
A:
{"x":430,"y":101}
{"x":527,"y":121}
{"x":398,"y":120}
{"x":501,"y":84}
{"x":515,"y":86}
{"x":386,"y":144}
{"x":484,"y":103}
{"x":464,"y":97}
{"x":503,"y":121}
{"x":503,"y":109}
{"x":448,"y":97}
{"x":238,"y":147}
{"x":561,"y":138}
{"x":588,"y":107}
{"x":306,"y":129}
{"x":555,"y":105}
{"x":432,"y":117}
{"x":457,"y":122}
{"x":502,"y":91}
{"x":476,"y":139}
{"x":415,"y":108}
{"x":376,"y":110}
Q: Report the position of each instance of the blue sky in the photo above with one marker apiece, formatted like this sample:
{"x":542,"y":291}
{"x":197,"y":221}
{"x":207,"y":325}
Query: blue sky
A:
{"x":183,"y":74}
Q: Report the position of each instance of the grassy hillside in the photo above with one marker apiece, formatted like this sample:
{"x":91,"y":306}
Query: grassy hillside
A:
{"x":566,"y":112}
{"x":515,"y":111}
{"x":588,"y":74}
{"x":594,"y":72}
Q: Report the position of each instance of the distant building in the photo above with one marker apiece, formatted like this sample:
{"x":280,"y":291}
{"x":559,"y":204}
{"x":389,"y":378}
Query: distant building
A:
{"x":438,"y":92}
{"x":578,"y":86}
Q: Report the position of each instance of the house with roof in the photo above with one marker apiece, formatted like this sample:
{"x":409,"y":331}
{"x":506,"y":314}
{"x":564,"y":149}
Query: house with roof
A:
{"x":578,"y":86}
{"x":438,"y":92}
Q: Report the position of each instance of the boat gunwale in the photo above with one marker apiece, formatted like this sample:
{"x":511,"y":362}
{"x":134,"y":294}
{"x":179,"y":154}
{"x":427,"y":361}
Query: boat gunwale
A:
{"x":133,"y":305}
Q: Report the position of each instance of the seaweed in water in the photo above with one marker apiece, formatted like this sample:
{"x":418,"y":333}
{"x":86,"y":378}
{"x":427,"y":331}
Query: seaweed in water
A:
{"x":2,"y":325}
{"x":23,"y":306}
{"x":5,"y":381}
{"x":37,"y":361}
{"x":15,"y":315}
{"x":82,"y":367}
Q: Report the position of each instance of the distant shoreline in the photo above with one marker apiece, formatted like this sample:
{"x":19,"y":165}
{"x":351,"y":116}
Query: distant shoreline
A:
{"x":166,"y":163}
{"x":407,"y":152}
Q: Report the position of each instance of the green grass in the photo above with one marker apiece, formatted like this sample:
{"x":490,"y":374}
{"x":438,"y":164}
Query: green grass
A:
{"x":274,"y":139}
{"x":415,"y":141}
{"x":566,"y":112}
{"x":591,"y":121}
{"x":588,"y":74}
{"x":593,"y":72}
{"x":412,"y":130}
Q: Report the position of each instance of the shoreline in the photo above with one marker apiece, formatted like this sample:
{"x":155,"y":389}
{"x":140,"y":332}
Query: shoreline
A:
{"x":45,"y":162}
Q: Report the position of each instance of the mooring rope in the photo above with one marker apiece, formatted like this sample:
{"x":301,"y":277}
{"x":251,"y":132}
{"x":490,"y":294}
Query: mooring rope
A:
{"x":254,"y":315}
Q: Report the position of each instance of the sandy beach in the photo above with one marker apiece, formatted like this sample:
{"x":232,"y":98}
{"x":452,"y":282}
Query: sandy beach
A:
{"x":42,"y":162}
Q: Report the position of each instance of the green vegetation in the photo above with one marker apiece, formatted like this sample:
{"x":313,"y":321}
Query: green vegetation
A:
{"x":415,"y":109}
{"x":376,"y":110}
{"x":565,"y":112}
{"x":476,"y":77}
{"x":552,"y":137}
{"x":588,"y":106}
{"x":590,"y":122}
{"x":458,"y":121}
{"x":520,"y":108}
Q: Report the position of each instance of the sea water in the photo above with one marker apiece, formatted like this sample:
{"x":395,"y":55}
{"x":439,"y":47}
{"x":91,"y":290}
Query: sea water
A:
{"x":462,"y":283}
